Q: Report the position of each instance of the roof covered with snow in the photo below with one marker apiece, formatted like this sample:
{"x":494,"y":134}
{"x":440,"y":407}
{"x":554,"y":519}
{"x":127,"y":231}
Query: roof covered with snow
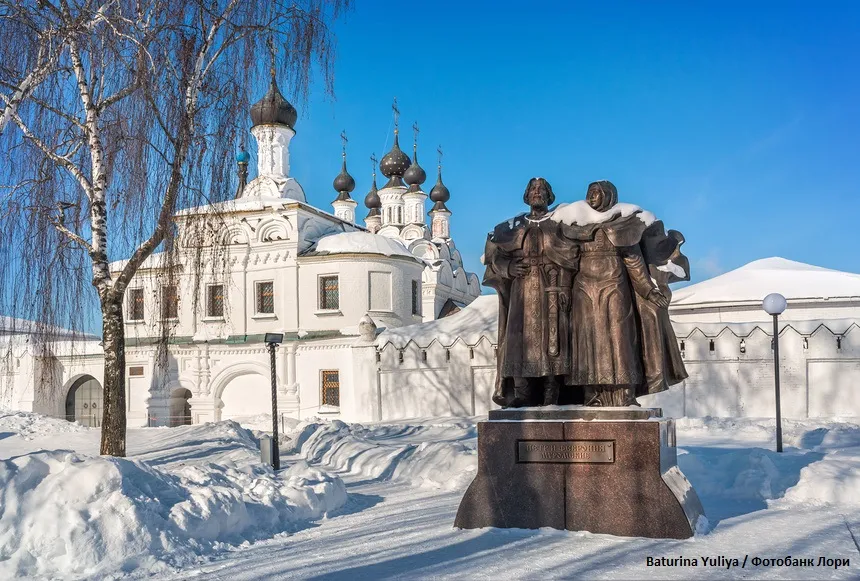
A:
{"x":12,"y":326}
{"x":360,"y":243}
{"x":754,"y":281}
{"x":478,"y":319}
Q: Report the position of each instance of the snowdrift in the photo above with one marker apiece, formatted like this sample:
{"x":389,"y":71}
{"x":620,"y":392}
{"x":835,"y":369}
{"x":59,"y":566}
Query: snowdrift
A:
{"x":68,"y":514}
{"x":424,"y":454}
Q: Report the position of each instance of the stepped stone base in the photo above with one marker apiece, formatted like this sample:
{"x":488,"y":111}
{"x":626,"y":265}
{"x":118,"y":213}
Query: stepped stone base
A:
{"x":603,"y":470}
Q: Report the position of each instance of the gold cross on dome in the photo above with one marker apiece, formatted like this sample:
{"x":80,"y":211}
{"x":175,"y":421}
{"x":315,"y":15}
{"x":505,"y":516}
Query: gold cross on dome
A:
{"x":396,"y":114}
{"x":344,"y":140}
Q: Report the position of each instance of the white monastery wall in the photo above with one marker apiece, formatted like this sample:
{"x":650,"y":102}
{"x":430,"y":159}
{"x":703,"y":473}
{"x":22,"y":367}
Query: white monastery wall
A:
{"x":816,"y":380}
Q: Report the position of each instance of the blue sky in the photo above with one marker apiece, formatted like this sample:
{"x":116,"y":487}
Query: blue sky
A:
{"x":737,"y":123}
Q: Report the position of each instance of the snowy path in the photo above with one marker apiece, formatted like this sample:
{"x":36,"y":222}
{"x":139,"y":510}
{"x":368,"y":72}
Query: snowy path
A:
{"x":396,"y":530}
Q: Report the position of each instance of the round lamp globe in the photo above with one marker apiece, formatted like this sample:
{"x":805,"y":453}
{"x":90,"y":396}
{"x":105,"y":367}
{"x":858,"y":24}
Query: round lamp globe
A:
{"x":774,"y":304}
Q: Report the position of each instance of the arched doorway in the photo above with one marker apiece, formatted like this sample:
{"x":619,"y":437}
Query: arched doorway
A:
{"x":84,"y":402}
{"x":180,"y":407}
{"x":243,"y":394}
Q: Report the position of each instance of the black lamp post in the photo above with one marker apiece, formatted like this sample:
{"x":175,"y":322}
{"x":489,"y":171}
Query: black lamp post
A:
{"x":272,"y":341}
{"x":774,"y":304}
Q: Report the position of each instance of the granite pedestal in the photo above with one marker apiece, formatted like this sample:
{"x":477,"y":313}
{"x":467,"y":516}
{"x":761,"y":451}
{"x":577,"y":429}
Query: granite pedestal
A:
{"x":603,"y":470}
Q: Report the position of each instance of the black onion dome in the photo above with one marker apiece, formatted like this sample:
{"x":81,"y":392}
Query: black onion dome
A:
{"x":371,"y":200}
{"x":343,"y":183}
{"x":440,"y":193}
{"x":415,"y":174}
{"x":395,"y":162}
{"x":273,"y":109}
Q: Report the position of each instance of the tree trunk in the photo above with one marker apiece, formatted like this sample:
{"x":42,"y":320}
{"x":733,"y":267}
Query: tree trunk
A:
{"x":113,"y":418}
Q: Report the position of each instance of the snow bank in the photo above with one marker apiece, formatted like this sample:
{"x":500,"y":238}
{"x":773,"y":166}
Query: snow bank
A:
{"x":362,"y":243}
{"x":263,"y":422}
{"x":820,"y":464}
{"x":414,"y":453}
{"x":29,"y":426}
{"x":579,"y":212}
{"x":833,"y":480}
{"x":478,"y":319}
{"x":69,"y":514}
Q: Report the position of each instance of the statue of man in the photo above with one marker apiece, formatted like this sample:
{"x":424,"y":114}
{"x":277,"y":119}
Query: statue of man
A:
{"x":532,"y":268}
{"x":622,"y":341}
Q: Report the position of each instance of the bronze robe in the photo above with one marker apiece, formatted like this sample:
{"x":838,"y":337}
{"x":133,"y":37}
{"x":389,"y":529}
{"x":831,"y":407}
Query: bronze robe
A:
{"x":534,"y":320}
{"x":619,"y":337}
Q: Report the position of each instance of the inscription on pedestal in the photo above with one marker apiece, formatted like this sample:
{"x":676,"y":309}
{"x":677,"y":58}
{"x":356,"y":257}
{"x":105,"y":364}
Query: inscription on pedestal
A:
{"x":569,"y":452}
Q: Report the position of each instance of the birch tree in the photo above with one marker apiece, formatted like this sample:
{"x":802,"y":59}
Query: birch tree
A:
{"x":113,"y":115}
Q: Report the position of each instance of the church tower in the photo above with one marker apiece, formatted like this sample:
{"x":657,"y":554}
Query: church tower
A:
{"x":273,"y":126}
{"x":440,"y":215}
{"x":414,"y":198}
{"x":373,"y":221}
{"x":393,"y":165}
{"x":344,"y":206}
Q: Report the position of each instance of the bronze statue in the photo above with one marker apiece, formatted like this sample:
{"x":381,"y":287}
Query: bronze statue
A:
{"x":585,"y":298}
{"x":531,"y":267}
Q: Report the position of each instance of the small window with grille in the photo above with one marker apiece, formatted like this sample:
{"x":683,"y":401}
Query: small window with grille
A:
{"x":416,"y":297}
{"x":331,"y":388}
{"x":169,"y":302}
{"x":329,"y":293}
{"x":265,"y":298}
{"x":135,"y":304}
{"x":215,"y":301}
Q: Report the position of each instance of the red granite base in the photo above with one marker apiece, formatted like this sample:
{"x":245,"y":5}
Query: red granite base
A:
{"x":621,"y":479}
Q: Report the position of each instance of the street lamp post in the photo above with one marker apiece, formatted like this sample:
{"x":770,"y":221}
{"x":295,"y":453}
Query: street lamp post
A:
{"x":774,"y":304}
{"x":272,"y":341}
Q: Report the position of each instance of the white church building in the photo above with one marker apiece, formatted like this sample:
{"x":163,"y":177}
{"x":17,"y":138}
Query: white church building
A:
{"x":381,"y":321}
{"x":294,"y":269}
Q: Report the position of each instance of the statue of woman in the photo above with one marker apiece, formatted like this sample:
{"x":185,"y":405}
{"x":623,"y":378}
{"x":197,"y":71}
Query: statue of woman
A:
{"x":616,"y":304}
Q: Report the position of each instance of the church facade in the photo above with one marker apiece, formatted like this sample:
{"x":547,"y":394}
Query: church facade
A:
{"x":285,"y":267}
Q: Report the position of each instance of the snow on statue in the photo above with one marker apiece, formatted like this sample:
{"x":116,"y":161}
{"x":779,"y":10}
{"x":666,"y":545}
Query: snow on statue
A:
{"x":597,"y":289}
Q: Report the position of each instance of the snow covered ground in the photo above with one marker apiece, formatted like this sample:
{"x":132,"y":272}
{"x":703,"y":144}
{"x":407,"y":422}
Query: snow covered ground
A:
{"x":378,"y":501}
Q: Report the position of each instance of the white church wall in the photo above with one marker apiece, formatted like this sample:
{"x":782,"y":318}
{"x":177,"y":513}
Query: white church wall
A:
{"x":312,"y":359}
{"x":356,"y":296}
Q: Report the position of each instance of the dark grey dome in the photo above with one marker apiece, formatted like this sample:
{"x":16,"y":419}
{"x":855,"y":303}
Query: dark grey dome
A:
{"x":273,"y":109}
{"x":395,"y":162}
{"x":371,"y":200}
{"x":415,"y":174}
{"x":440,"y":193}
{"x":343,"y":183}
